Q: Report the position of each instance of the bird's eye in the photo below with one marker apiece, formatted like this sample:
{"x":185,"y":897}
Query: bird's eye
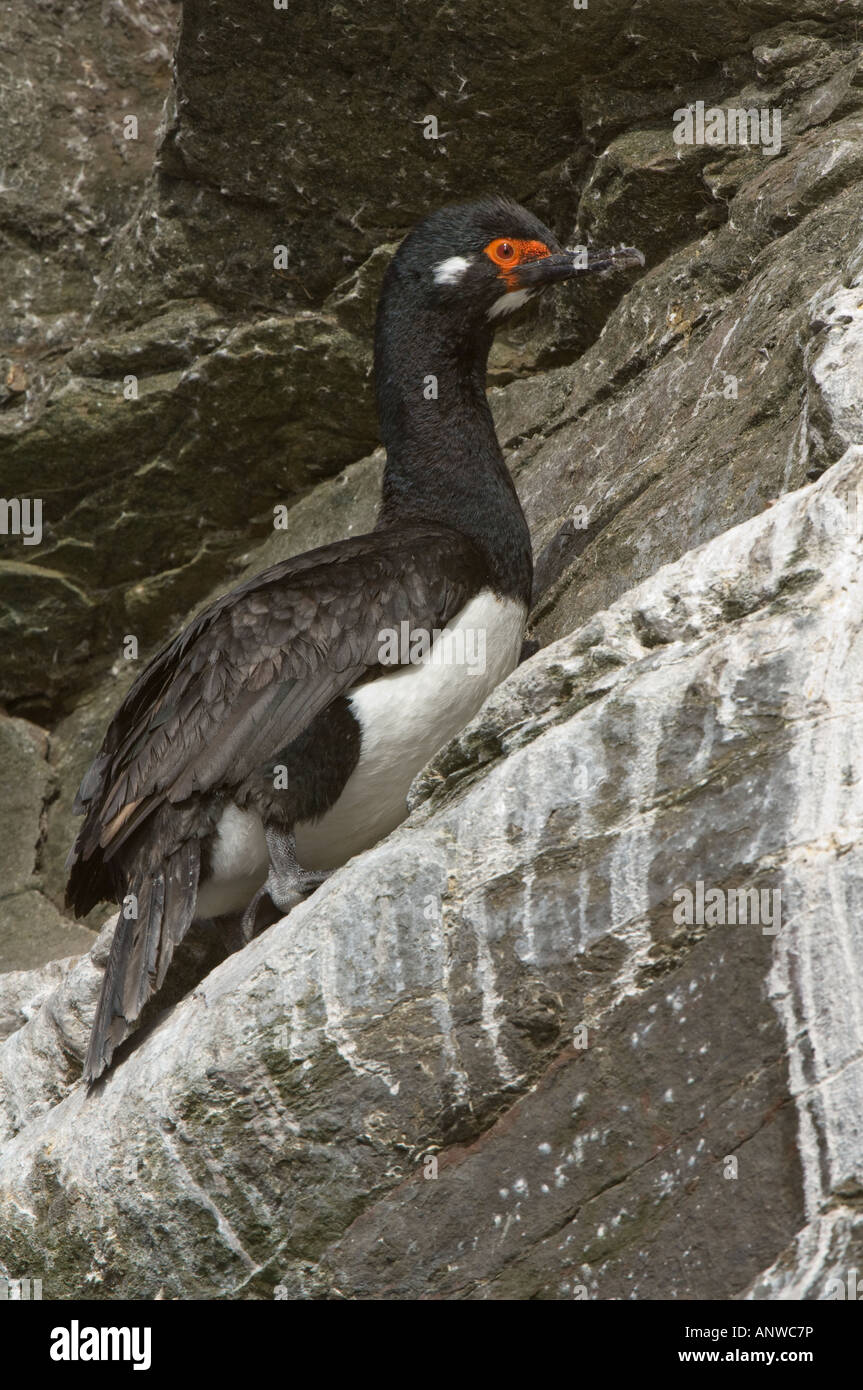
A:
{"x":502,"y":252}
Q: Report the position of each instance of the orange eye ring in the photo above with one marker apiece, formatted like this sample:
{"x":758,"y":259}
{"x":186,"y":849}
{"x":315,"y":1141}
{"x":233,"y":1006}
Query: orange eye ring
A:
{"x":502,"y":252}
{"x":507,"y":254}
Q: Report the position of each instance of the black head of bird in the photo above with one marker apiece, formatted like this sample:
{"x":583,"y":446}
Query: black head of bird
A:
{"x":475,"y":263}
{"x":453,"y":280}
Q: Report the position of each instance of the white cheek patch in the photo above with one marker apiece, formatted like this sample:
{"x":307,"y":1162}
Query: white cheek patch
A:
{"x":508,"y":303}
{"x":450,"y":271}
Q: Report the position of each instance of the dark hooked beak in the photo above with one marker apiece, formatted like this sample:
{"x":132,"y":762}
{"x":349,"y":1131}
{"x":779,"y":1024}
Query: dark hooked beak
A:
{"x":562,"y":265}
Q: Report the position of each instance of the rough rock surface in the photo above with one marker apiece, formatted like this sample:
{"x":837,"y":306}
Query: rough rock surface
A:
{"x":696,"y":718}
{"x":32,"y":930}
{"x":149,"y":496}
{"x":502,"y":986}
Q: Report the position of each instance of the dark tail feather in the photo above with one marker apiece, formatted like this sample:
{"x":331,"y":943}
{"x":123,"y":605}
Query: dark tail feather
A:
{"x":142,"y":949}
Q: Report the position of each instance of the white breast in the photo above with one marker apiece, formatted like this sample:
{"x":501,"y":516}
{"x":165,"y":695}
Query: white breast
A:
{"x":405,"y":717}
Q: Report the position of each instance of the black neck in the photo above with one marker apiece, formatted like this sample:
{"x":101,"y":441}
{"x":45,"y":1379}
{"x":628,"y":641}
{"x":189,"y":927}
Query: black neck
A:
{"x":444,"y":464}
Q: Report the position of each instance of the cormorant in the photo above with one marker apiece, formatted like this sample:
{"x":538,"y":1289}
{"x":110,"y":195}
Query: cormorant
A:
{"x":279,"y":733}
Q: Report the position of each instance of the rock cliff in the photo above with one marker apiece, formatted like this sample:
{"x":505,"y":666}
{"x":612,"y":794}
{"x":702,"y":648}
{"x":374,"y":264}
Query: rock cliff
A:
{"x":518,"y":1050}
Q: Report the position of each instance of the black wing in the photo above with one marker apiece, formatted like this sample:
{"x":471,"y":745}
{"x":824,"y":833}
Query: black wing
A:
{"x":243,"y":680}
{"x":250,"y":673}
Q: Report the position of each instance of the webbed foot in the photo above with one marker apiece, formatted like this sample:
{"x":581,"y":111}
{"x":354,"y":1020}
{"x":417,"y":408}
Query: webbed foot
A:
{"x":287,"y":883}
